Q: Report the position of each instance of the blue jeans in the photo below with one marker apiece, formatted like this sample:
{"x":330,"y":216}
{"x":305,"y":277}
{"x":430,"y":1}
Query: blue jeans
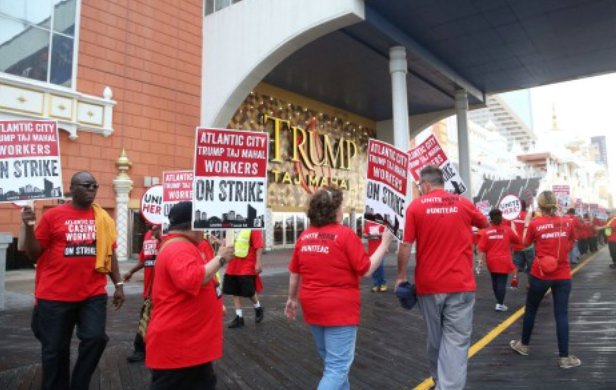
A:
{"x":524,"y":259}
{"x":378,"y":276}
{"x":336,"y":345}
{"x":574,"y":253}
{"x":560,"y":294}
{"x":499,"y":286}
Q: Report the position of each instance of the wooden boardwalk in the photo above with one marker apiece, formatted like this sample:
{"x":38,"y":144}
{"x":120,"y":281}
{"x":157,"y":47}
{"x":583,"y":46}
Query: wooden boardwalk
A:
{"x":390,"y":354}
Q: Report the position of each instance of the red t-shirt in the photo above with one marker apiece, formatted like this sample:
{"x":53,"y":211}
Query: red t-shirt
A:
{"x":496,"y":242}
{"x":519,"y":229}
{"x":147,"y":256}
{"x":330,"y":261}
{"x":371,"y":229}
{"x":65,"y":270}
{"x":206,"y":248}
{"x":246,"y":265}
{"x":186,"y":325}
{"x":552,"y":236}
{"x":441,"y":223}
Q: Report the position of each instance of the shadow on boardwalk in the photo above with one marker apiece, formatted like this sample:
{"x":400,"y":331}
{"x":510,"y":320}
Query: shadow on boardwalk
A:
{"x":390,"y":354}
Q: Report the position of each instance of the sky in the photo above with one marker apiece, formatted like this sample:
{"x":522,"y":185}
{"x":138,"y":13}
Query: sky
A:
{"x":586,"y":107}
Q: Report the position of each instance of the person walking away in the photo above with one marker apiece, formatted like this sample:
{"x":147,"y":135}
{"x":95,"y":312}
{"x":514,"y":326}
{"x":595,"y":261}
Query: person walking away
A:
{"x":185,"y":334}
{"x":373,"y":232}
{"x":74,"y":250}
{"x":553,"y":237}
{"x":240,"y":278}
{"x":147,"y":259}
{"x":578,"y":230}
{"x":495,"y":244}
{"x":441,"y":224}
{"x":328,"y":261}
{"x":522,"y":256}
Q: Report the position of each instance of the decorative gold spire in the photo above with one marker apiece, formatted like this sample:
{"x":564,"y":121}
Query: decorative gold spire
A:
{"x":123,"y":164}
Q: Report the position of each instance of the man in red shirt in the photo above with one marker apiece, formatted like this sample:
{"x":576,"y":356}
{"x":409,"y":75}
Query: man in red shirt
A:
{"x":240,"y":280}
{"x":373,"y":232}
{"x":441,"y":224}
{"x":609,"y":230}
{"x":185,"y":334}
{"x":69,"y":286}
{"x":147,"y":259}
{"x":522,"y":256}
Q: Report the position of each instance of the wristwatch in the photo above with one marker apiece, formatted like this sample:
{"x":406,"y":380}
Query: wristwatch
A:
{"x":221,"y":260}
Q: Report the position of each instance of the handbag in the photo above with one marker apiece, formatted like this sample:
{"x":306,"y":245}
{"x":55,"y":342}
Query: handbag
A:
{"x":146,"y":313}
{"x":146,"y":308}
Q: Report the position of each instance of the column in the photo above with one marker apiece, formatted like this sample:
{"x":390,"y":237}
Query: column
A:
{"x":461,"y":105}
{"x":398,"y":70}
{"x":5,"y":241}
{"x":269,"y":229}
{"x":122,"y":185}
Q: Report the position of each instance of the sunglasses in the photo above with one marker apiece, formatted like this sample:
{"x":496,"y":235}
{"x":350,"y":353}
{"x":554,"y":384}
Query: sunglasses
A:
{"x":89,"y":186}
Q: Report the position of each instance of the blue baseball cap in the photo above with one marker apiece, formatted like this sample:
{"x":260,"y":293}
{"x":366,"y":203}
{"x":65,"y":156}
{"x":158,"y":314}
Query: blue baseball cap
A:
{"x":406,"y":295}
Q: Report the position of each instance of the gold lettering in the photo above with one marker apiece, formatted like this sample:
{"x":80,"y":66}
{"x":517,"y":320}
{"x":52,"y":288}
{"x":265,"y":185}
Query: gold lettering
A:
{"x":313,"y":181}
{"x":343,"y":184}
{"x":351,"y":153}
{"x":299,"y":147}
{"x":276,"y":175}
{"x":287,"y":178}
{"x":314,"y":149}
{"x":335,"y":159}
{"x":277,"y":125}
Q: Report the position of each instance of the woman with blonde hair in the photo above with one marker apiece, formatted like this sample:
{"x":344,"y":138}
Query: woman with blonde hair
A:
{"x":329,"y":259}
{"x":553,"y":237}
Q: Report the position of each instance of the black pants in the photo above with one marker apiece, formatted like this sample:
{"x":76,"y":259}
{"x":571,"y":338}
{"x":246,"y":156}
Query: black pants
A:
{"x":583,"y":245}
{"x":53,"y":323}
{"x":592,"y":243}
{"x":499,"y":285}
{"x":561,"y":289}
{"x":199,"y":377}
{"x":612,"y":247}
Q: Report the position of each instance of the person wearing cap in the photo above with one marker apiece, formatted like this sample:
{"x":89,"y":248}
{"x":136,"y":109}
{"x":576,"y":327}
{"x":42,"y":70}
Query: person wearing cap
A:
{"x":328,"y":261}
{"x":553,"y":237}
{"x":441,"y":224}
{"x":74,"y":250}
{"x":147,"y":259}
{"x":180,"y":345}
{"x":495,"y":244}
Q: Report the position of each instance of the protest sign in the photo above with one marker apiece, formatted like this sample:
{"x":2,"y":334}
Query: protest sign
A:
{"x":29,"y":161}
{"x":386,"y":186}
{"x":177,"y":187}
{"x":562,"y":192}
{"x":430,"y":152}
{"x":593,"y":209}
{"x":484,"y":206}
{"x":230,"y":182}
{"x":151,"y":205}
{"x":510,"y":206}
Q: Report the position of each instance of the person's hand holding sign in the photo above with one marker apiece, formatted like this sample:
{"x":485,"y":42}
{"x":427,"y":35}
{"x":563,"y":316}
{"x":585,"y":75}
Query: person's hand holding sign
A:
{"x":27,"y":216}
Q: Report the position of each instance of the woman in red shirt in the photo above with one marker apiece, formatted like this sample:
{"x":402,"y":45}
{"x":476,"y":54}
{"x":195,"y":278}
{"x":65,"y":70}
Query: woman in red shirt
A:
{"x":553,"y":236}
{"x":495,"y":244}
{"x":329,"y":259}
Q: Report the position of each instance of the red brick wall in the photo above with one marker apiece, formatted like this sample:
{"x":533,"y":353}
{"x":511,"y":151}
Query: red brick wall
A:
{"x":149,"y":54}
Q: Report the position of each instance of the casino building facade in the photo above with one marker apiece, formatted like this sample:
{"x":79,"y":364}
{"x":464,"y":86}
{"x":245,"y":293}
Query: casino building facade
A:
{"x":128,"y":81}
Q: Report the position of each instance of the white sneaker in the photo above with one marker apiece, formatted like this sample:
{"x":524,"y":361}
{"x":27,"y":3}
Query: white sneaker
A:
{"x":500,"y":307}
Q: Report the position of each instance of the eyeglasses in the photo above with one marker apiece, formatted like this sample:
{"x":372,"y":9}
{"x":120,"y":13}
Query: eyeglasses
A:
{"x":88,"y":186}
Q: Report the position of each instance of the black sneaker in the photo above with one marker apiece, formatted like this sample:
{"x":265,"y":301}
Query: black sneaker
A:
{"x":258,"y":315}
{"x":136,"y":357}
{"x":238,"y":322}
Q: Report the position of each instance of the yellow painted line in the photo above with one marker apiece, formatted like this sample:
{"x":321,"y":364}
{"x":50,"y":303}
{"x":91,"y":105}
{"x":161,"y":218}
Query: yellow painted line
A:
{"x":500,"y":328}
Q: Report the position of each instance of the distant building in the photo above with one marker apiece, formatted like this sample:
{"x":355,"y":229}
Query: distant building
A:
{"x":600,"y":146}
